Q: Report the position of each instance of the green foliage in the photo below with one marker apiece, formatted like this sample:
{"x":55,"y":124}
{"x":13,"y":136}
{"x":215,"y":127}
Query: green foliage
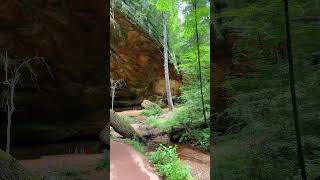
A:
{"x":166,"y":160}
{"x":258,"y":117}
{"x":200,"y":136}
{"x":155,"y":122}
{"x":153,"y":110}
{"x":129,"y":118}
{"x":182,"y":51}
{"x":203,"y":137}
{"x":164,"y":5}
{"x":136,"y":145}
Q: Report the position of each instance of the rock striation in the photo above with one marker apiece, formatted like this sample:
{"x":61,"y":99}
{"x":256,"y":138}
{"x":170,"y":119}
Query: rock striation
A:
{"x":71,"y":36}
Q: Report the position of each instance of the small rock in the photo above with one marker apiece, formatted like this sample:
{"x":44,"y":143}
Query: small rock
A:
{"x":164,"y":139}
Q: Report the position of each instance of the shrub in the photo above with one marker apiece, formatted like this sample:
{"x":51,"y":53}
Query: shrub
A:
{"x":136,"y":145}
{"x":152,"y":110}
{"x":203,"y":138}
{"x":154,"y":121}
{"x":166,"y":160}
{"x":200,"y":136}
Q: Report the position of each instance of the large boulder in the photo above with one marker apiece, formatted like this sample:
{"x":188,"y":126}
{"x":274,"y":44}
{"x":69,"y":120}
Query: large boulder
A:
{"x":71,"y":36}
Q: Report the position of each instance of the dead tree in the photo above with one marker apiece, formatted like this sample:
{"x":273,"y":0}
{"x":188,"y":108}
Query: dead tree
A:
{"x":12,"y":77}
{"x":121,"y":126}
{"x":114,"y":85}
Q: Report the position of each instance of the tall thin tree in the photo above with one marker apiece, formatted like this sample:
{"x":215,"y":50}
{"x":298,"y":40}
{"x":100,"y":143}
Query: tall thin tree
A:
{"x":293,"y":92}
{"x":166,"y":62}
{"x":195,"y":3}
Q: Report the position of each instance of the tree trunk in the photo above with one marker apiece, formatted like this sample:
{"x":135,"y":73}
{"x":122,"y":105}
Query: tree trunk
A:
{"x":10,"y":169}
{"x":8,"y":131}
{"x":10,"y":109}
{"x":112,"y":96}
{"x":199,"y":63}
{"x":293,"y":93}
{"x":166,"y":63}
{"x":123,"y":127}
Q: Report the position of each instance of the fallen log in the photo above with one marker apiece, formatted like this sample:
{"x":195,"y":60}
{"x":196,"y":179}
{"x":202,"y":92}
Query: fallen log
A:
{"x":121,"y":126}
{"x":11,"y":169}
{"x":105,"y":136}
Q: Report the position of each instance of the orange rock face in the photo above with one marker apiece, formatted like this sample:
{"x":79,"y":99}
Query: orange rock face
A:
{"x":138,"y":60}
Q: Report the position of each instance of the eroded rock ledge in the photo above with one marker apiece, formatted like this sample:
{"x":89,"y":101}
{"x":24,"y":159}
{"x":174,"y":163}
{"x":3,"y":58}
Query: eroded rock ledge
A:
{"x":71,"y":36}
{"x":137,"y":59}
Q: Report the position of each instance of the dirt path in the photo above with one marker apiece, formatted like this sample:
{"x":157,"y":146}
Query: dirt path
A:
{"x":127,"y":164}
{"x":73,"y":164}
{"x":198,"y":161}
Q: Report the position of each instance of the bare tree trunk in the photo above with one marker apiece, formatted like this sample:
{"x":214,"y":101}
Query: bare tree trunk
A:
{"x":114,"y":85}
{"x":166,"y":63}
{"x":199,"y":63}
{"x":123,"y":127}
{"x":11,"y":82}
{"x":8,"y":132}
{"x":10,"y":112}
{"x":293,"y":93}
{"x":113,"y":89}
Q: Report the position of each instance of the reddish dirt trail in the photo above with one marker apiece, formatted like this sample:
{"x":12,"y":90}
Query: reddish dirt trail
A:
{"x":198,"y":161}
{"x":84,"y":163}
{"x":127,"y":164}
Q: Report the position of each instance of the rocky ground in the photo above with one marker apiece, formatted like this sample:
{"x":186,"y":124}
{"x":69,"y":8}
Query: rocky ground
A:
{"x":70,"y":166}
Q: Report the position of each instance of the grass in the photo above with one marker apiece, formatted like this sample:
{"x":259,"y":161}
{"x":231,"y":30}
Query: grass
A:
{"x":136,"y":145}
{"x":152,"y":110}
{"x":166,"y":124}
{"x":180,"y":117}
{"x":166,"y":161}
{"x":129,"y":118}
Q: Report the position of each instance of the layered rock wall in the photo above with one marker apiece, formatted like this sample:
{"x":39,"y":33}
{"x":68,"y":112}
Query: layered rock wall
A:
{"x":71,"y":36}
{"x":137,"y":59}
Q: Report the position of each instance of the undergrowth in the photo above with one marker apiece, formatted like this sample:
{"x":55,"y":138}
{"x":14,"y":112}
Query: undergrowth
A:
{"x":200,"y":136}
{"x":167,"y":162}
{"x":136,"y":145}
{"x":152,"y":110}
{"x":129,"y":118}
{"x":181,"y":117}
